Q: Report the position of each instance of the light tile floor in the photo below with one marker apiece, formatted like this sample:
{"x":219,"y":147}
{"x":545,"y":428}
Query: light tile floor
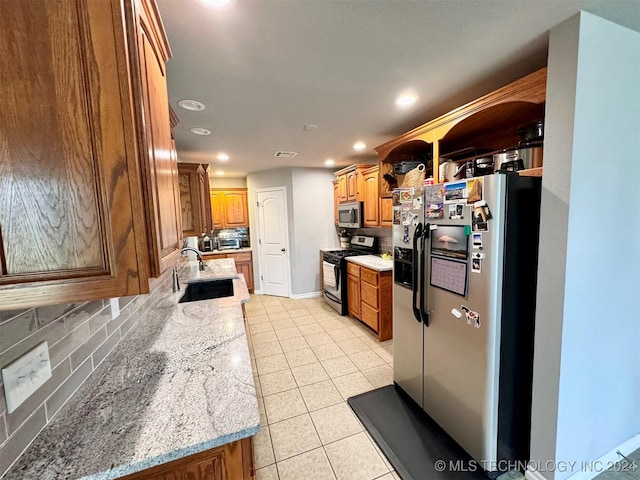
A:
{"x":307,"y":360}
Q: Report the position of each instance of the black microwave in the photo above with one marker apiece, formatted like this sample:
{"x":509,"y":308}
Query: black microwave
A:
{"x":350,"y":215}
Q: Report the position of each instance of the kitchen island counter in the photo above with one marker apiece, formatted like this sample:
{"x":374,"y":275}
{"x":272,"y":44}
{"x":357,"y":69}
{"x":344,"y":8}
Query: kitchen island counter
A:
{"x":180,"y":382}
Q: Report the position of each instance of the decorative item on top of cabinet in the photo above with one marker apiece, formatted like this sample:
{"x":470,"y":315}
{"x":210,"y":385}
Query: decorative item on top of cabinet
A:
{"x":233,"y":461}
{"x":350,"y":186}
{"x":229,"y":207}
{"x":72,"y":226}
{"x":369,"y":298}
{"x":195,"y":199}
{"x":489,"y":123}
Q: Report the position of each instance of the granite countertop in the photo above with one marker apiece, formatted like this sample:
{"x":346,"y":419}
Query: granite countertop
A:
{"x":228,"y":250}
{"x":372,"y":261}
{"x":180,"y":382}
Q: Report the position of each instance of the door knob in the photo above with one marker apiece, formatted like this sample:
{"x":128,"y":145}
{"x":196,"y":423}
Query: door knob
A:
{"x":282,"y":250}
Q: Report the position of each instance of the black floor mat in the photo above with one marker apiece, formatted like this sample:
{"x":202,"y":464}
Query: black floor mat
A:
{"x":414,"y":444}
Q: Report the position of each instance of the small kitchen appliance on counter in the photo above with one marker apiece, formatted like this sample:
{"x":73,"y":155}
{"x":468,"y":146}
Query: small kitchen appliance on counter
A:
{"x":334,"y":271}
{"x":228,"y":239}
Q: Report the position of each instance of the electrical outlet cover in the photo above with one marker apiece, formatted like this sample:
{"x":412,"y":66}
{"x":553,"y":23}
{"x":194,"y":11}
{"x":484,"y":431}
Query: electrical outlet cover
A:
{"x":25,"y":375}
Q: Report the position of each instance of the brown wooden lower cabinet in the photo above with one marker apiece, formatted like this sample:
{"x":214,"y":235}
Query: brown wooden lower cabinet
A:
{"x":244,"y":264}
{"x":369,"y":298}
{"x":233,"y":461}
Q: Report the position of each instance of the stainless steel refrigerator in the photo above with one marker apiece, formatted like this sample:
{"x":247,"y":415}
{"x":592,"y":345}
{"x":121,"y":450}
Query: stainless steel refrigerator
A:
{"x":465,"y":261}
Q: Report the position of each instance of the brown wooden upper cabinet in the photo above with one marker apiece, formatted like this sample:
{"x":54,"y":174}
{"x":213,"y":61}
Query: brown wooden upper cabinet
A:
{"x":89,"y":191}
{"x":195,"y":200}
{"x":371,"y":205}
{"x":160,"y":168}
{"x":229,"y":208}
{"x":350,"y":183}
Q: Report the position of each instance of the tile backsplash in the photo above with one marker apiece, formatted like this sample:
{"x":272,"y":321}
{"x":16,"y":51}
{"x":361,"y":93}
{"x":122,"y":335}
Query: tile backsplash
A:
{"x":383,"y":236}
{"x":79,"y":337}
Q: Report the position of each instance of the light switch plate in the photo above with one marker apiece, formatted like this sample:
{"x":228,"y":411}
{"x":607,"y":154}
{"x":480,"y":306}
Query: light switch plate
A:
{"x":25,"y":375}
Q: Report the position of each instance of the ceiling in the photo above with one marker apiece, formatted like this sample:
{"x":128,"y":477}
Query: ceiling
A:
{"x":266,"y":68}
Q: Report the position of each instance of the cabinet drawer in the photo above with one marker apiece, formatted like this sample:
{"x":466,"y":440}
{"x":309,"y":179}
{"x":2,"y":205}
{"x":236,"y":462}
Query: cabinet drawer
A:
{"x":369,"y":315}
{"x":369,"y":294}
{"x":369,"y":276}
{"x":240,"y":257}
{"x":353,"y":269}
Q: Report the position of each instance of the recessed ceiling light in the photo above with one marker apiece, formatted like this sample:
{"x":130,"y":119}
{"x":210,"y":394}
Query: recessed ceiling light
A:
{"x":329,"y":162}
{"x":191,"y":105}
{"x":218,"y":4}
{"x":200,"y":131}
{"x":406,"y":100}
{"x":219,"y":172}
{"x":223,"y":157}
{"x":310,"y":127}
{"x":359,"y":146}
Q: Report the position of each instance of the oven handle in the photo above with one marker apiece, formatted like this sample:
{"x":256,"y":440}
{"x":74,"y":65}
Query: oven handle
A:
{"x":415,"y":265}
{"x":331,"y":296}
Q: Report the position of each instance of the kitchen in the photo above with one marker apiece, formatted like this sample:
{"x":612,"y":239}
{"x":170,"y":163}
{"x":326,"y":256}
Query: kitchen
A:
{"x":556,"y":422}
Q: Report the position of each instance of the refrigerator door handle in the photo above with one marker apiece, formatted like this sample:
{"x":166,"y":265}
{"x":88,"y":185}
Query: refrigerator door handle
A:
{"x":416,"y":264}
{"x":424,"y":312}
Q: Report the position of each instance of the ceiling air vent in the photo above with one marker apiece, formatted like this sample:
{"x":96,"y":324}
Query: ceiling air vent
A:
{"x":281,"y":154}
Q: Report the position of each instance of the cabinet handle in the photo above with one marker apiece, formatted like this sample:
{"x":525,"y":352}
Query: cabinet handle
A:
{"x":282,"y":250}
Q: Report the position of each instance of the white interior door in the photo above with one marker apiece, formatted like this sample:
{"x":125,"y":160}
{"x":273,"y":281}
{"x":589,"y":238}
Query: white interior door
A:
{"x":273,"y":241}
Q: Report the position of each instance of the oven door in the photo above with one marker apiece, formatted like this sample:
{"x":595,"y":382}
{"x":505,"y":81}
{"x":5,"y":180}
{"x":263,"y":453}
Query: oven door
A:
{"x":332,"y":281}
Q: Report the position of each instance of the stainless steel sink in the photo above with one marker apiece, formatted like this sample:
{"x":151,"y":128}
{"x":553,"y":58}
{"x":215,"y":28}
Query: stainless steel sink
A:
{"x":207,"y":290}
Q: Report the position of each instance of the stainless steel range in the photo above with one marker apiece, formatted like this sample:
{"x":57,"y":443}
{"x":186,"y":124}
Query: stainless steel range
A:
{"x":334,"y":271}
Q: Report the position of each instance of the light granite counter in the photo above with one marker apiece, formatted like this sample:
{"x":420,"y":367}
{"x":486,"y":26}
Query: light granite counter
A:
{"x":179,"y":383}
{"x":372,"y":261}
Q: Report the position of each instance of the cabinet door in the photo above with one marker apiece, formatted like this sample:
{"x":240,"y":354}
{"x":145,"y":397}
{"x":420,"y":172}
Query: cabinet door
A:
{"x":336,"y":202}
{"x":68,"y":170}
{"x":189,"y":199}
{"x":244,"y":265}
{"x":161,"y":175}
{"x":352,"y":186}
{"x":371,"y":216}
{"x":204,"y":198}
{"x":217,"y":208}
{"x":353,"y":296}
{"x":342,"y":188}
{"x":386,"y":212}
{"x":236,"y":212}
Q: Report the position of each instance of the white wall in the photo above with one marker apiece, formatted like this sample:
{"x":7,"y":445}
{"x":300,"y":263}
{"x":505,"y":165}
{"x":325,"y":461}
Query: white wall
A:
{"x":310,"y":216}
{"x":587,"y":341}
{"x":222,"y":182}
{"x":313,"y":226}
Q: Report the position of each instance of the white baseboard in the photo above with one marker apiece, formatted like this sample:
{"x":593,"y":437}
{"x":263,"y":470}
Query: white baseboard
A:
{"x":296,"y":296}
{"x":300,"y":296}
{"x":598,"y":465}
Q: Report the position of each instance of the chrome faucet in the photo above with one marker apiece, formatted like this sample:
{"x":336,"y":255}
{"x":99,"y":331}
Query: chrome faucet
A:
{"x":198,"y":254}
